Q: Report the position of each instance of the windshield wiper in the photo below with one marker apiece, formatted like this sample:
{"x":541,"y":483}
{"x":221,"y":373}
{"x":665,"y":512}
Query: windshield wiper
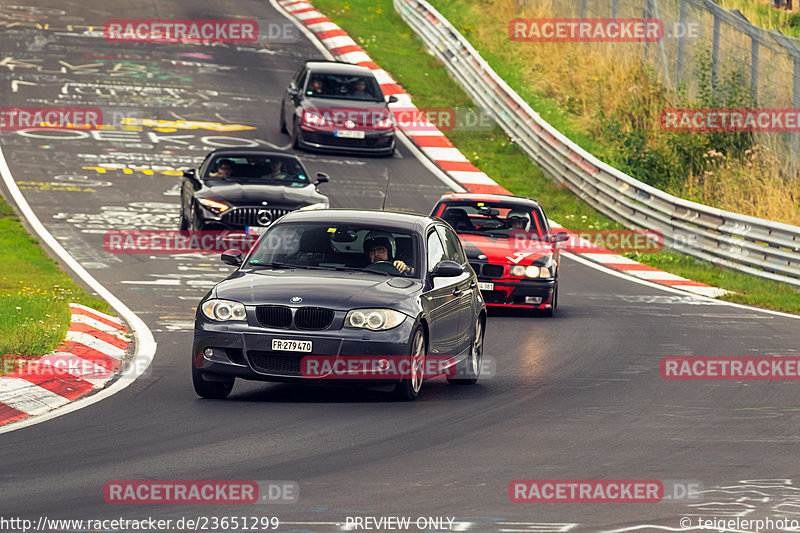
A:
{"x":355,"y":269}
{"x":273,"y":265}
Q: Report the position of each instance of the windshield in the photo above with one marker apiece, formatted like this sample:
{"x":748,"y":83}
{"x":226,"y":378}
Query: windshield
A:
{"x":344,"y":87}
{"x":275,"y":170}
{"x":344,"y":246}
{"x":495,"y":219}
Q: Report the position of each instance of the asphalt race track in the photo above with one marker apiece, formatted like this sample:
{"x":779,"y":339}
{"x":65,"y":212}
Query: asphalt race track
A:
{"x":578,"y":396}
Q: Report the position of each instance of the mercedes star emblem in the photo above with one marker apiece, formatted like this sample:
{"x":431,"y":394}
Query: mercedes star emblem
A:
{"x":263,"y":217}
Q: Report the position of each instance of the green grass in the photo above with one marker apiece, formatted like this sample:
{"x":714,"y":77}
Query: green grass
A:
{"x":34,"y":294}
{"x":393,"y":45}
{"x":765,"y":16}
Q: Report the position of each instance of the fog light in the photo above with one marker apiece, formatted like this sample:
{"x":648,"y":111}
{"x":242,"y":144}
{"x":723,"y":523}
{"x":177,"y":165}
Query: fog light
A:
{"x":533,"y":299}
{"x":209,"y":353}
{"x":383,"y":364}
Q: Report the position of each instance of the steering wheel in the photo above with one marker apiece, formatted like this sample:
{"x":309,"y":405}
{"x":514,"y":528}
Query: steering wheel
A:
{"x":492,"y":223}
{"x":383,"y":266}
{"x":278,"y":176}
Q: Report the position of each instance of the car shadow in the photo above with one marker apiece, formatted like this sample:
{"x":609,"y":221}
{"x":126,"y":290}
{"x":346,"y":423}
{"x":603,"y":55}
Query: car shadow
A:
{"x":432,"y":389}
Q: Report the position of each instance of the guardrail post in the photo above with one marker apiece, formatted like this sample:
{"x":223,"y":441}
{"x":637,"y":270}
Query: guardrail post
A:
{"x":645,"y":15}
{"x":715,"y":53}
{"x":667,"y":79}
{"x":681,"y":44}
{"x":795,"y":137}
{"x":754,"y":69}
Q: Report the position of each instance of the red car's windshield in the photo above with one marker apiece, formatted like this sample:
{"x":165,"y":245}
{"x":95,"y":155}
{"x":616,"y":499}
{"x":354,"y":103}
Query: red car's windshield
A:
{"x":495,"y":219}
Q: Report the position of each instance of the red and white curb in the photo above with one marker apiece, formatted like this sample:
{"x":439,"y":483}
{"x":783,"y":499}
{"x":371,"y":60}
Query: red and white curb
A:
{"x":438,"y":148}
{"x":92,"y":353}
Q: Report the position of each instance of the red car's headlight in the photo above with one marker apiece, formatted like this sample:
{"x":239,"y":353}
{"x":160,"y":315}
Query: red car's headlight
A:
{"x":313,"y":119}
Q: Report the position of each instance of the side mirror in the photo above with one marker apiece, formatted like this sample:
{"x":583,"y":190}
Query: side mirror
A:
{"x":447,"y":269}
{"x":392,"y":99}
{"x":322,"y":178}
{"x":559,"y":237}
{"x":191,"y":175}
{"x":293,"y":91}
{"x":232,"y":257}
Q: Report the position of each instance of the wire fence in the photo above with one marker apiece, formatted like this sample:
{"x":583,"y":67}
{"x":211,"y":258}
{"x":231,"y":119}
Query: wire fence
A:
{"x":703,"y":39}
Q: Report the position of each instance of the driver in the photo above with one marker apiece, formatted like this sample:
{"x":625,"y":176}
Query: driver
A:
{"x":379,"y":246}
{"x":517,"y":220}
{"x":224,"y":169}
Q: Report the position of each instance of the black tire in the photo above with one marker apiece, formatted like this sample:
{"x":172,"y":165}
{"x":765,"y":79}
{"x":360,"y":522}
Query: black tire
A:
{"x":409,"y":388}
{"x":283,"y":121}
{"x":295,"y":138}
{"x":184,"y":223}
{"x":214,"y":390}
{"x":552,"y":311}
{"x":469,"y":370}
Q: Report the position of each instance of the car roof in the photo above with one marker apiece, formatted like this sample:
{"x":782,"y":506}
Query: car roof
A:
{"x":389,"y":219}
{"x":337,"y":67}
{"x":505,"y":198}
{"x":251,"y":151}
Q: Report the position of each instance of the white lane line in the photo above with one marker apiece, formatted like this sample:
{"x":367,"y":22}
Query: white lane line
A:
{"x":667,"y":288}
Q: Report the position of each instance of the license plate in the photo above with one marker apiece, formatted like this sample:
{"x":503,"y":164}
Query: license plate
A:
{"x":349,"y":134}
{"x":291,"y":346}
{"x":256,"y":230}
{"x":485,"y":286}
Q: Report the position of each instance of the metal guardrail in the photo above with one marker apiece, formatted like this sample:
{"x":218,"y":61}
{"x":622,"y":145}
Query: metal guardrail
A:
{"x":749,"y":244}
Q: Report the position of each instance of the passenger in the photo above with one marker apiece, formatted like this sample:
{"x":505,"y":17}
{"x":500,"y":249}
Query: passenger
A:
{"x":276,"y":170}
{"x":360,"y":90}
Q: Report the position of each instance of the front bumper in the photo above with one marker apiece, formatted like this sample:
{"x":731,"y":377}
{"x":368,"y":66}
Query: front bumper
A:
{"x":245,"y":351}
{"x":374,"y":142}
{"x":240,"y":218}
{"x":519,"y":293}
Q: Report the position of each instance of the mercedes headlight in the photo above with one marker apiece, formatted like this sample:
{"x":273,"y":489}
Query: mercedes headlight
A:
{"x":223,"y":310}
{"x":374,"y":319}
{"x":216,"y":207}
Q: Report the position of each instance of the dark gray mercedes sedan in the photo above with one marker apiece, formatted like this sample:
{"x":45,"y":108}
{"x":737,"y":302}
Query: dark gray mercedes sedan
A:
{"x":348,"y":296}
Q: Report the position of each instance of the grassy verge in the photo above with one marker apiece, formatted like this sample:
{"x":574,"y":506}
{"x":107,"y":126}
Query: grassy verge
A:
{"x":34,"y":295}
{"x":764,"y":16}
{"x":394,"y":46}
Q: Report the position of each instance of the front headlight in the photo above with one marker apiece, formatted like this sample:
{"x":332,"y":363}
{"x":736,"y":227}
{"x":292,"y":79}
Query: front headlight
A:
{"x":314,"y":207}
{"x":385,"y":123}
{"x":374,"y":319}
{"x":223,"y":310}
{"x":532,"y":271}
{"x":216,"y":207}
{"x":313,"y":119}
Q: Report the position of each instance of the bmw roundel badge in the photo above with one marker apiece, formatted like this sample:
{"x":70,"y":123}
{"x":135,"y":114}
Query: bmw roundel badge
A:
{"x":295,"y":299}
